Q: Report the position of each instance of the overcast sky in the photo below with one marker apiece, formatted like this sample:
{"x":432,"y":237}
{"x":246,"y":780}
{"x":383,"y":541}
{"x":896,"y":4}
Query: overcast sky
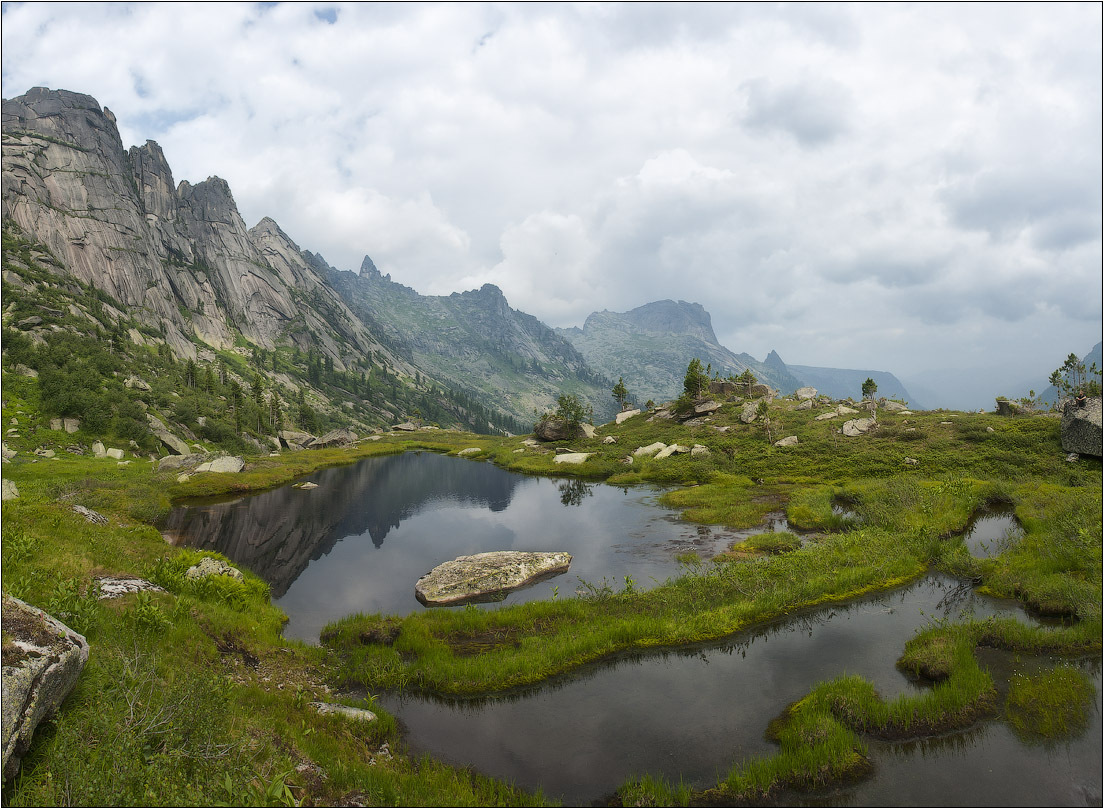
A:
{"x":872,"y":186}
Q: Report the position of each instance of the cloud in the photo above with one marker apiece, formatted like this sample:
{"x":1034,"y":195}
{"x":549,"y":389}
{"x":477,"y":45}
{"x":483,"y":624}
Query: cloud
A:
{"x":859,"y":181}
{"x":814,"y":113}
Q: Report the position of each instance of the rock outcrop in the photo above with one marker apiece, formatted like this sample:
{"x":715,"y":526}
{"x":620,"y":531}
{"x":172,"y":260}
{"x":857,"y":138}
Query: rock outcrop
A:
{"x":178,"y":256}
{"x":1081,"y":427}
{"x":553,"y":429}
{"x":487,"y":576}
{"x":41,"y":665}
{"x":857,"y":427}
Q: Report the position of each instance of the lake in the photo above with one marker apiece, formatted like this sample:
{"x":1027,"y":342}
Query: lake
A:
{"x":361,"y":540}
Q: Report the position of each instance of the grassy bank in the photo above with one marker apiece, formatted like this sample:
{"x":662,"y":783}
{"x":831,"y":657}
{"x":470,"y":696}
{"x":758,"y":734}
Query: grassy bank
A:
{"x":192,"y":696}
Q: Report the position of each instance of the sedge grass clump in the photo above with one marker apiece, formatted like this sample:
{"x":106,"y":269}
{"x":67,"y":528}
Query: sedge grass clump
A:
{"x":1051,"y":705}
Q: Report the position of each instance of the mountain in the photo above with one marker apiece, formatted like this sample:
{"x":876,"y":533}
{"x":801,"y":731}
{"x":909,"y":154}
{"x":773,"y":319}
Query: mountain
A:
{"x":477,"y":341}
{"x":841,"y":383}
{"x":1095,"y":356}
{"x":650,"y":347}
{"x":174,"y":268}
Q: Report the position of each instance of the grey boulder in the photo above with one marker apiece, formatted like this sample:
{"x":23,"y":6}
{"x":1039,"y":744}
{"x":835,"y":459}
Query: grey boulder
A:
{"x":487,"y":576}
{"x":40,"y":668}
{"x":1081,"y":430}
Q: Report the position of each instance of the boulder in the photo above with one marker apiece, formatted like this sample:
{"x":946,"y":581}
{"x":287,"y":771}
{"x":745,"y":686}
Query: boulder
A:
{"x":470,"y":451}
{"x":609,"y":439}
{"x":856,"y":427}
{"x":705,"y":408}
{"x":42,"y":452}
{"x":98,"y":449}
{"x":406,"y":427}
{"x":115,"y":453}
{"x":93,"y":517}
{"x":115,"y":587}
{"x":173,"y":443}
{"x":651,"y":449}
{"x":805,"y":405}
{"x":487,"y":576}
{"x":663,"y":414}
{"x":212,"y":567}
{"x":554,"y":429}
{"x":788,"y":441}
{"x":911,"y":462}
{"x":625,"y":415}
{"x":7,"y":453}
{"x":359,"y":714}
{"x":844,"y":410}
{"x":1081,"y":431}
{"x":674,"y":449}
{"x":723,"y":388}
{"x":136,"y":383}
{"x":1006,"y":407}
{"x":894,"y":407}
{"x":337,"y":438}
{"x":572,"y":457}
{"x":227,"y":463}
{"x":29,"y":322}
{"x":55,"y":424}
{"x":699,"y":451}
{"x":8,"y":490}
{"x":806,"y":393}
{"x":749,"y":412}
{"x":759,"y":390}
{"x":40,"y":667}
{"x":294,"y":439}
{"x":306,"y":486}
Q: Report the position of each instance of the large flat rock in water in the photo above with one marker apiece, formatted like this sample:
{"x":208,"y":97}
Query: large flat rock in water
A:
{"x":487,"y":576}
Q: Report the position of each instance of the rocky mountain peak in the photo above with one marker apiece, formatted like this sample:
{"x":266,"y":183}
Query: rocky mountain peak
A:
{"x":368,"y":268}
{"x":673,"y":317}
{"x":775,"y":361}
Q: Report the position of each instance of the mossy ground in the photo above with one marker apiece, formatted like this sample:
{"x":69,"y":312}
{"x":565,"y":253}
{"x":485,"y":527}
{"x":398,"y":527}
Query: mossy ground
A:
{"x":192,"y":697}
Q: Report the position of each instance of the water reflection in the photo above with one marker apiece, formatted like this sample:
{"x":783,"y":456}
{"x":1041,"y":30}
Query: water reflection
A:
{"x":693,"y":712}
{"x":324,"y":554}
{"x":992,"y":531}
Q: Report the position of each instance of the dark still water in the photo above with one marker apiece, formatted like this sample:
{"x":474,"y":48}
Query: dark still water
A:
{"x":360,"y":541}
{"x":691,"y":714}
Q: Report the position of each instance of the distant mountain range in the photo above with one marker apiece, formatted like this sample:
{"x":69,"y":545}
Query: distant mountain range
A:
{"x":650,"y":347}
{"x":174,"y":267}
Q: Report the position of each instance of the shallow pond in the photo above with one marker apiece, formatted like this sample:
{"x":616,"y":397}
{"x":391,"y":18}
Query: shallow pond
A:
{"x":360,"y":541}
{"x":693,"y":713}
{"x":992,"y":531}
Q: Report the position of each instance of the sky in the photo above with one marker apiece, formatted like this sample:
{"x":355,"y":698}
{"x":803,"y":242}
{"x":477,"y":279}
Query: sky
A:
{"x":910,"y":188}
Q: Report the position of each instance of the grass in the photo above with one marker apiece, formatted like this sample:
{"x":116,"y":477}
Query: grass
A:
{"x":180,"y":700}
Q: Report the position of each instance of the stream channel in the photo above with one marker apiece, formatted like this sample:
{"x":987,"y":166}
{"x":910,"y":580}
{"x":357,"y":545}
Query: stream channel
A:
{"x":362,"y":538}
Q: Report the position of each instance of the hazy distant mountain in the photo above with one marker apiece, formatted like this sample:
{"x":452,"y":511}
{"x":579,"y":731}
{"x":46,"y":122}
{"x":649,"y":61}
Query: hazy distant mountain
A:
{"x":650,"y":347}
{"x":841,"y":383}
{"x":476,"y":341}
{"x":1096,"y":355}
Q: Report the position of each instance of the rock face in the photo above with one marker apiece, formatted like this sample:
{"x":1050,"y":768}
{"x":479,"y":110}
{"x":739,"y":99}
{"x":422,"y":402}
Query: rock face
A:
{"x":40,"y":668}
{"x":1081,"y":428}
{"x":179,"y":257}
{"x":487,"y":576}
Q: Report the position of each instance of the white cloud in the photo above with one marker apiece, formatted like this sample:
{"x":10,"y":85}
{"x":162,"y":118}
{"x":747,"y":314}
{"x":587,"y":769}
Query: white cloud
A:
{"x":862,"y":181}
